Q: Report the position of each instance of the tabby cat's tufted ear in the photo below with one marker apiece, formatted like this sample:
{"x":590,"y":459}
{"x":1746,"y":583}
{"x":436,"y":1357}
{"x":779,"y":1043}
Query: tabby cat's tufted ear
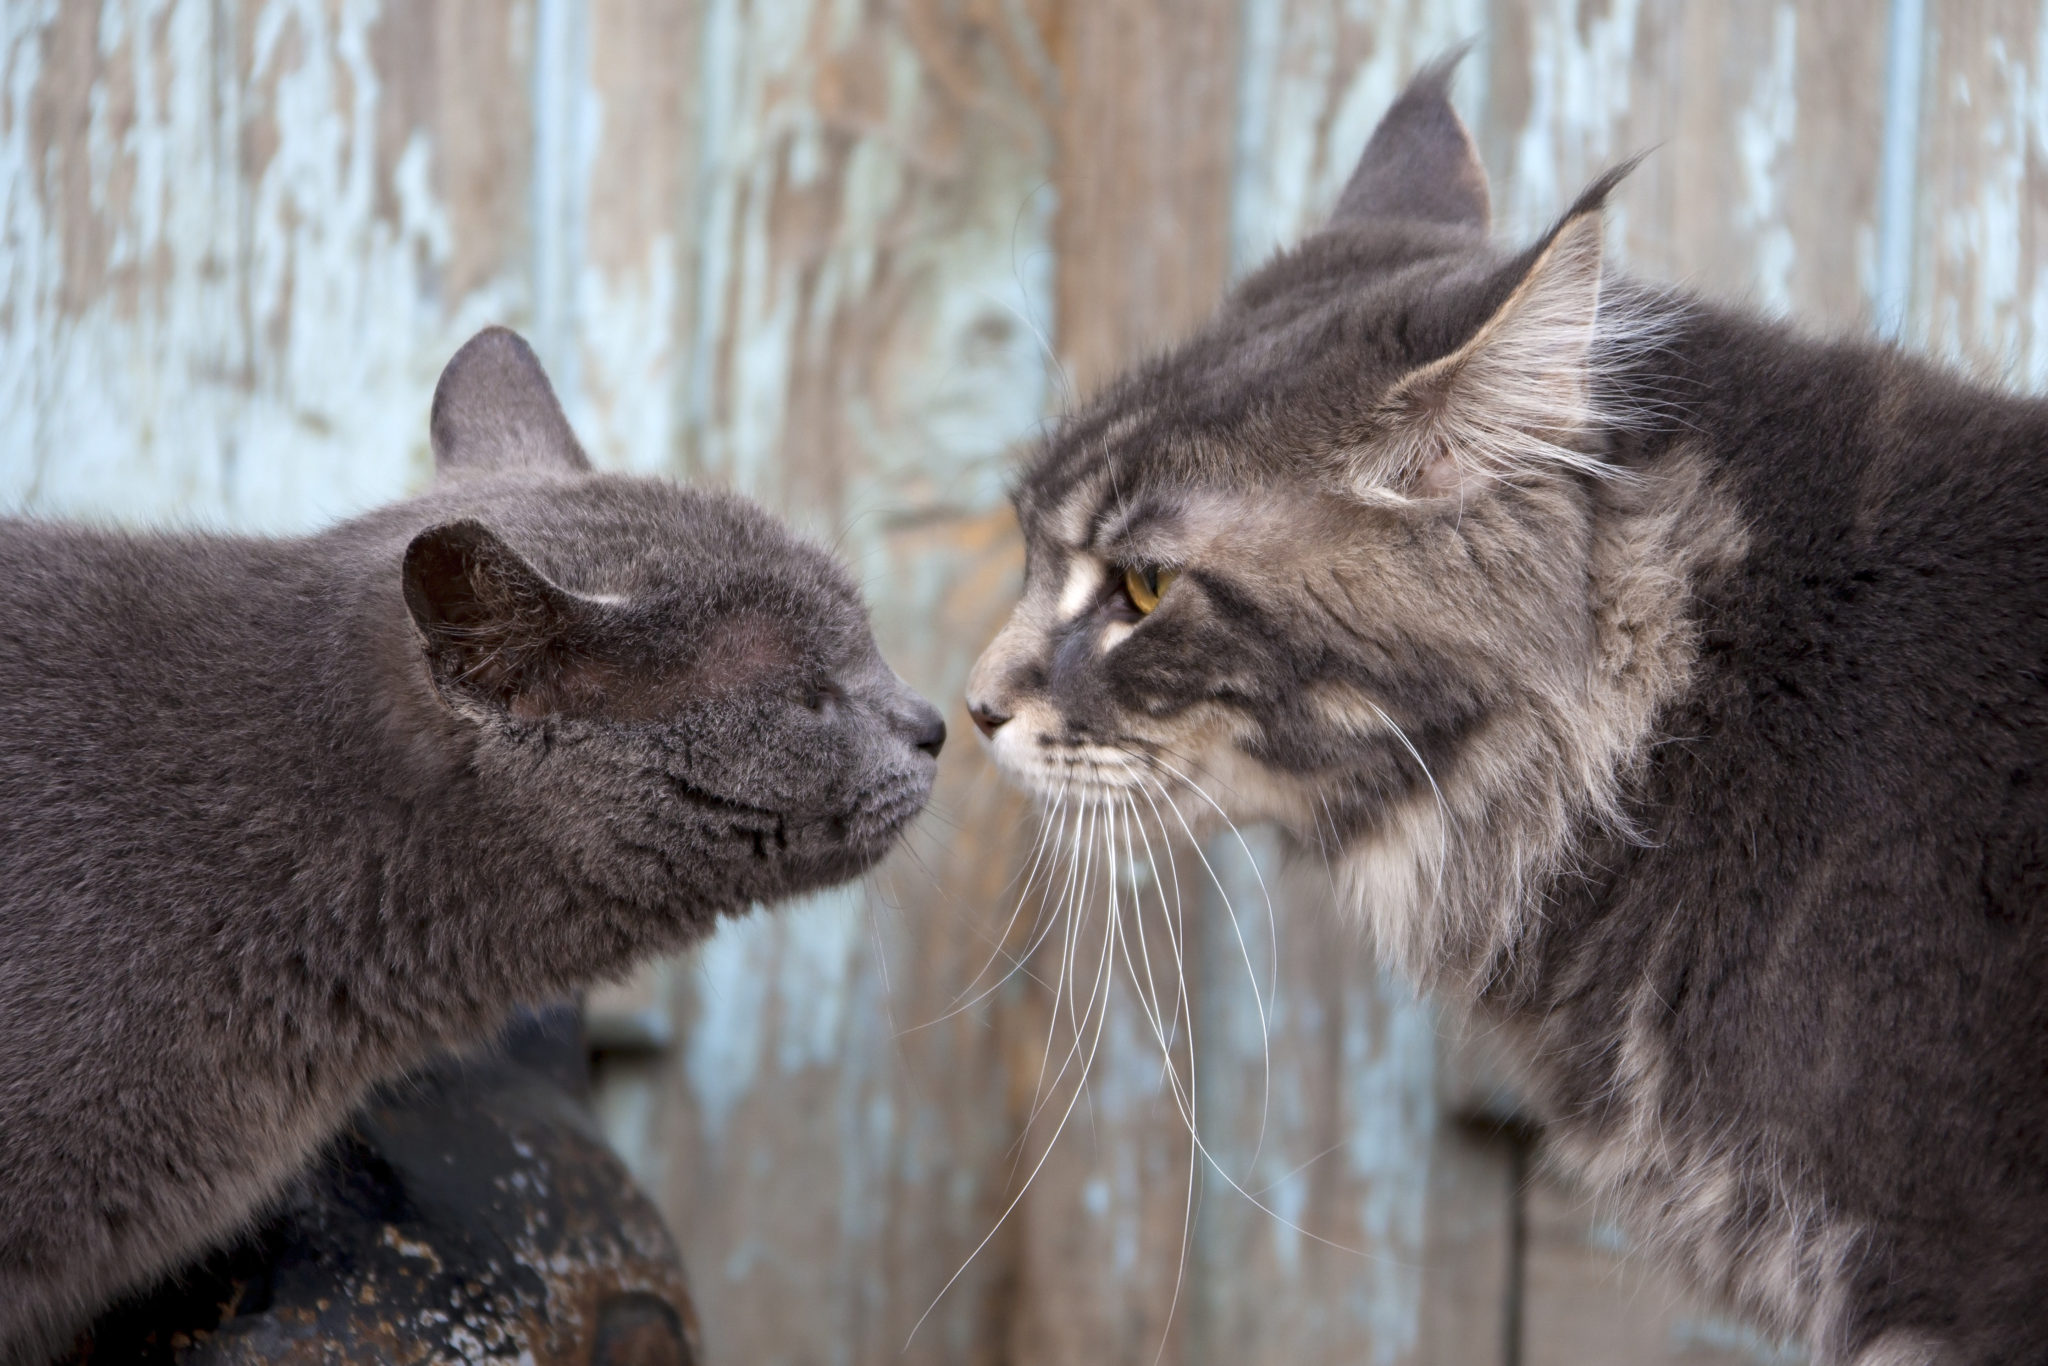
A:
{"x":1519,"y":394}
{"x":495,"y":410}
{"x":1420,"y":162}
{"x":496,"y":630}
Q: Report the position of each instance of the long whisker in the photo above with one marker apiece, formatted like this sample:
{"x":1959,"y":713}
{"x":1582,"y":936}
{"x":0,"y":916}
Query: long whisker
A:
{"x":1095,"y":1045}
{"x":1067,"y":918}
{"x":1443,"y":855}
{"x":1186,"y":1107}
{"x":1272,"y":921}
{"x":1112,"y":929}
{"x":1148,"y":989}
{"x":1167,"y":914}
{"x":1230,"y":910}
{"x":1018,"y":960}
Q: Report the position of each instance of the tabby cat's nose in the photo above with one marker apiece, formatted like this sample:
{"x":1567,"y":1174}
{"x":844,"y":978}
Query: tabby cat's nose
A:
{"x":986,"y":718}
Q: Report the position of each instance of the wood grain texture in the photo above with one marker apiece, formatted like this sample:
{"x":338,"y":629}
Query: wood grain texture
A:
{"x":849,"y":256}
{"x":861,"y":334}
{"x":1761,"y":120}
{"x":240,"y":240}
{"x":1314,"y":77}
{"x":1981,"y":287}
{"x":1146,"y":103}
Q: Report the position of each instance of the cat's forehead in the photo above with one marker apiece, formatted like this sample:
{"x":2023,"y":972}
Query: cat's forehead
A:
{"x":693,"y":554}
{"x":1288,"y":373}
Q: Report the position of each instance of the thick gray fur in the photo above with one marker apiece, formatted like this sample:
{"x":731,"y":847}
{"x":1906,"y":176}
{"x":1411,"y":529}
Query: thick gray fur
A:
{"x":1667,"y":688}
{"x":279,"y":818}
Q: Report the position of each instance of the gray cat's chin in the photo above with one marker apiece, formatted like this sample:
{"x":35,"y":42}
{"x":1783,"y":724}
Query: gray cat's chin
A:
{"x":854,"y":841}
{"x":879,"y":824}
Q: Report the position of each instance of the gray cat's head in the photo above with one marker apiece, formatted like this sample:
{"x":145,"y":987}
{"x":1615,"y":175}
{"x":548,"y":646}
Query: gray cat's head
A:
{"x":1339,"y":547}
{"x":675,"y":697}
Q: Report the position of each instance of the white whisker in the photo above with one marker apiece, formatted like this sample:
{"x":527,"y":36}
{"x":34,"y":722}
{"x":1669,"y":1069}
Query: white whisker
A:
{"x":1230,"y":911}
{"x":1101,"y":1017}
{"x":1443,"y":857}
{"x":1018,"y":960}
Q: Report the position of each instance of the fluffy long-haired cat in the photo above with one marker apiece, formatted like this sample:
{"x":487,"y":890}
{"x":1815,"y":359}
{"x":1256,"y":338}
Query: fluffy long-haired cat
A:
{"x":1669,"y":687}
{"x":280,"y":817}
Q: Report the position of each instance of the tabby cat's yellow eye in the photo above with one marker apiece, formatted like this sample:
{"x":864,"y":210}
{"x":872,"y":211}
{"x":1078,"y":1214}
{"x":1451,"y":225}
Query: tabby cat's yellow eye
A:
{"x":1145,"y":586}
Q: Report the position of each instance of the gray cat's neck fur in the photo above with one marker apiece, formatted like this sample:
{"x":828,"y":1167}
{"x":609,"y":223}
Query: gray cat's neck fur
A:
{"x":1450,"y":885}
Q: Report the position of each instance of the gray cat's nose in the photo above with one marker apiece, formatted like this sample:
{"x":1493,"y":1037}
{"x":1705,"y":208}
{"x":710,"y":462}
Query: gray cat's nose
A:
{"x":925,"y":728}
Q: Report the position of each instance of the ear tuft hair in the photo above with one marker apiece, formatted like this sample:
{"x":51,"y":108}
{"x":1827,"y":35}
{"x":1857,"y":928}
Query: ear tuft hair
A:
{"x":1420,"y":162}
{"x":1523,"y":391}
{"x":495,"y":410}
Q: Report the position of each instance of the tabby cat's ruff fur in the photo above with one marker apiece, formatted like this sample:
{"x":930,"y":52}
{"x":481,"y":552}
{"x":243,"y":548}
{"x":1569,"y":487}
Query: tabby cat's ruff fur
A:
{"x":1672,"y":687}
{"x":279,"y":817}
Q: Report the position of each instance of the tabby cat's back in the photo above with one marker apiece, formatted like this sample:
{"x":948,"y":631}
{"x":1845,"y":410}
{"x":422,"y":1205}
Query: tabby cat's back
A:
{"x":280,"y":817}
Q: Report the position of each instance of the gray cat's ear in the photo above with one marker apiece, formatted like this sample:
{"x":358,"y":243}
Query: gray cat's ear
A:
{"x":1519,"y":394}
{"x":495,"y":629}
{"x":1420,"y":163}
{"x":495,"y":410}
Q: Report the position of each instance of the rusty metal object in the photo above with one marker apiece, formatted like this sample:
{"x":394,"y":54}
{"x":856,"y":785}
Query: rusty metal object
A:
{"x":472,"y":1214}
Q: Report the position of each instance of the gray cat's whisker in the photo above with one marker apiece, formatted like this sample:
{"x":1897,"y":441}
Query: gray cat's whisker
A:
{"x":1230,"y":912}
{"x":1168,"y":915}
{"x":1043,"y":1157}
{"x":1148,"y":989}
{"x":1099,"y":984}
{"x":1150,"y":985}
{"x":1065,"y":919}
{"x":1096,"y":810}
{"x":1044,"y":842}
{"x":1185,"y":1103}
{"x":1272,"y":920}
{"x":1443,"y":807}
{"x":1073,"y":922}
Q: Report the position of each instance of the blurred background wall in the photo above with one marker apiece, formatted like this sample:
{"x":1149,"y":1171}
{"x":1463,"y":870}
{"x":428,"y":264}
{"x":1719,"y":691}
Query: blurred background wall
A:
{"x":849,"y":256}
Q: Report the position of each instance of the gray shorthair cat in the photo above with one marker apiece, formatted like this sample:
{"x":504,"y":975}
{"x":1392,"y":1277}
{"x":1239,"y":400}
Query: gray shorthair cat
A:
{"x":278,"y":818}
{"x":1669,"y":688}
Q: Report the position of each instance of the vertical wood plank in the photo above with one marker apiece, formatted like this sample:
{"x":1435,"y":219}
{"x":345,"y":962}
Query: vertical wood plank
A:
{"x":1762,"y":120}
{"x":617,"y":247}
{"x":1981,"y":287}
{"x":863,"y":299}
{"x":1314,"y":78}
{"x":1146,"y":112}
{"x":1142,"y":125}
{"x":271,"y":219}
{"x":1323,"y":1116}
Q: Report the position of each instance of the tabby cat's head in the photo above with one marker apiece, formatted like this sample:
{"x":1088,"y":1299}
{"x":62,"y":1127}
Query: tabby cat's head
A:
{"x":676,"y":699}
{"x":1339,"y":547}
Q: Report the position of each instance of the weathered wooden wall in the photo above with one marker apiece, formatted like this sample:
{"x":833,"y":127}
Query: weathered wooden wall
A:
{"x":848,"y":255}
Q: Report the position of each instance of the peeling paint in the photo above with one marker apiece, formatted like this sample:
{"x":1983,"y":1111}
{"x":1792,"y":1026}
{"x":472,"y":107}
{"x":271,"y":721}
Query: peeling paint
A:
{"x":274,"y":306}
{"x":807,"y":249}
{"x":1579,"y":61}
{"x":1764,"y":130}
